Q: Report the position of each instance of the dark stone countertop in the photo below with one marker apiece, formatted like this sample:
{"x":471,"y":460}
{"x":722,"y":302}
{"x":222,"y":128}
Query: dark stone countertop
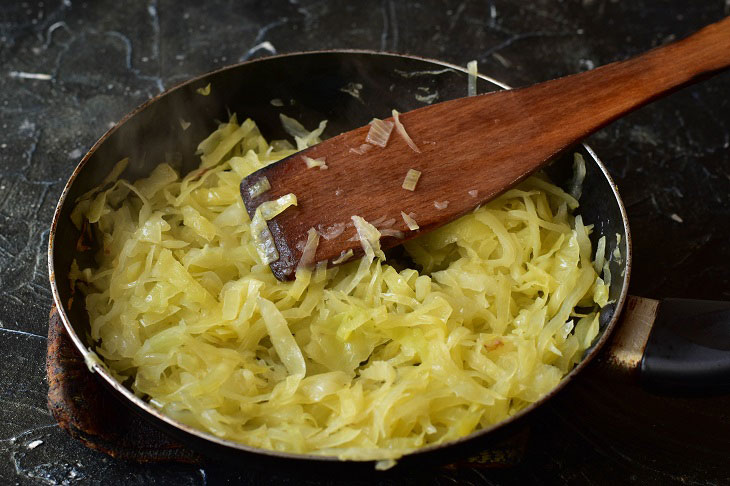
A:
{"x":70,"y":69}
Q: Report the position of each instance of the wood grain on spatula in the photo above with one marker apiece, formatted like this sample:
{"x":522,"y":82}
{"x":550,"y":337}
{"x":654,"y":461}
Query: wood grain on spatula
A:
{"x":471,"y":149}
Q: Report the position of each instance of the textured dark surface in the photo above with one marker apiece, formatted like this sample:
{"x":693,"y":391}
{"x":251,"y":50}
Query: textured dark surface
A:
{"x":98,"y":60}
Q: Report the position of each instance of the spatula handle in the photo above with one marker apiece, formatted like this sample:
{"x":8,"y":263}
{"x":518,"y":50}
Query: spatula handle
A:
{"x":596,"y":98}
{"x":703,"y":53}
{"x":688,"y":350}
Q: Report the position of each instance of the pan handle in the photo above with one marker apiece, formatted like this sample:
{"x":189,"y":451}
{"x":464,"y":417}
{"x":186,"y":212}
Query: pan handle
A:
{"x":689,"y":347}
{"x":674,"y":346}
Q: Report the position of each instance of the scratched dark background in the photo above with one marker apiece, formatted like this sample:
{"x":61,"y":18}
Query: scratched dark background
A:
{"x":70,"y":69}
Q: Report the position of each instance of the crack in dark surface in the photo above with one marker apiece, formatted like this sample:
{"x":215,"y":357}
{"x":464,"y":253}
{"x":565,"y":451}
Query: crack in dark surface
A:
{"x":22,"y":333}
{"x":518,"y":38}
{"x":260,"y":43}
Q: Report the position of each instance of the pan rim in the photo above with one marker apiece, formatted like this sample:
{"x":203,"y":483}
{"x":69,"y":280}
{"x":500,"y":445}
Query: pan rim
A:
{"x":199,"y":434}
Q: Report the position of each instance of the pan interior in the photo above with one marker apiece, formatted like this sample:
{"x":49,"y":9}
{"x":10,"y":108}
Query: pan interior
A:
{"x":346,"y":88}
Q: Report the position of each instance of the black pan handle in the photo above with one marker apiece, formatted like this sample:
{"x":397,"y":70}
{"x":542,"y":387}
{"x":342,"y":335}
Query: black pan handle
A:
{"x":688,"y":350}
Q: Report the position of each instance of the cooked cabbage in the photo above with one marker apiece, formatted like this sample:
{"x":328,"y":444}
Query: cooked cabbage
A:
{"x":410,"y":222}
{"x":260,"y":234}
{"x":411,"y":180}
{"x":403,"y":133}
{"x":471,"y":89}
{"x":367,"y":360}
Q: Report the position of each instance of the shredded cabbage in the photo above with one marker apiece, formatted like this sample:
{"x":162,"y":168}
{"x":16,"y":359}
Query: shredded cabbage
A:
{"x":441,"y":204}
{"x":410,"y":222}
{"x":369,"y":237}
{"x":312,"y":163}
{"x":402,"y":131}
{"x":260,"y":234}
{"x":411,"y":179}
{"x":303,"y":137}
{"x":259,"y":187}
{"x":332,"y":231}
{"x":367,"y":360}
{"x":361,"y":149}
{"x":579,"y":174}
{"x":344,"y":256}
{"x":310,"y":248}
{"x":472,"y":70}
{"x":379,"y":132}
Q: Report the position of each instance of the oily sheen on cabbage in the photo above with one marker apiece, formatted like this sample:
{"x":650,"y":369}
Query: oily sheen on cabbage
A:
{"x":366,"y":360}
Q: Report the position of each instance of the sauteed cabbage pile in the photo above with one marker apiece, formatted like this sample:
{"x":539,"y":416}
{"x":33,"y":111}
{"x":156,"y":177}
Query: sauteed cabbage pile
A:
{"x":368,"y":360}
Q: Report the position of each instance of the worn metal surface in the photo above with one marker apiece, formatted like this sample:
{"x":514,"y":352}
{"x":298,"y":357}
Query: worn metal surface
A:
{"x":69,"y":69}
{"x":626,"y":347}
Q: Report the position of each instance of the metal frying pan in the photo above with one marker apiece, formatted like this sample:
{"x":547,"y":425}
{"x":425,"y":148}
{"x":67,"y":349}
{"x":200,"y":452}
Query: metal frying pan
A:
{"x":348,"y":88}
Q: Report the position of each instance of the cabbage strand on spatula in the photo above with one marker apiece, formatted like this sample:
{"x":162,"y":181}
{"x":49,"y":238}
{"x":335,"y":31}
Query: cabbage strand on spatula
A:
{"x":366,"y":360}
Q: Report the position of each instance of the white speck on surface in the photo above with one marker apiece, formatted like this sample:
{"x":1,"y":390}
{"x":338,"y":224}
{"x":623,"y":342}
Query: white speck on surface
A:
{"x":266,"y":45}
{"x":332,"y":231}
{"x":338,"y":192}
{"x":26,"y":125}
{"x":75,"y":153}
{"x":34,"y":444}
{"x":276,"y":102}
{"x":676,"y":218}
{"x":5,"y":145}
{"x":385,"y":464}
{"x":473,"y":193}
{"x":502,"y":60}
{"x":24,"y":75}
{"x":586,"y":64}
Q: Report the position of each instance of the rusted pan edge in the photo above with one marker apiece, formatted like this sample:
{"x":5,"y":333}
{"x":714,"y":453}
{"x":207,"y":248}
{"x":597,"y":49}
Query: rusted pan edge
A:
{"x":91,"y":415}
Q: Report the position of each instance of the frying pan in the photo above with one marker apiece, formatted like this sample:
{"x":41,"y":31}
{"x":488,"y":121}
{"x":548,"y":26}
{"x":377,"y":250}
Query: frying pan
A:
{"x":348,"y":88}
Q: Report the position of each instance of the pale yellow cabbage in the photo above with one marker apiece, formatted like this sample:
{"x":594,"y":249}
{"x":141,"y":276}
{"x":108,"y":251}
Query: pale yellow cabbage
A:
{"x":360,"y":361}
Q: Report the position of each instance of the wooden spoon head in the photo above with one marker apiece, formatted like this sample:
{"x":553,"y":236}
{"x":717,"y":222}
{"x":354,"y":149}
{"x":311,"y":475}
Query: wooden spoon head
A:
{"x":460,"y":163}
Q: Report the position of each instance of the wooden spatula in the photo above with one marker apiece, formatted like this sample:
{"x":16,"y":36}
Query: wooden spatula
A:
{"x":469,"y":150}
